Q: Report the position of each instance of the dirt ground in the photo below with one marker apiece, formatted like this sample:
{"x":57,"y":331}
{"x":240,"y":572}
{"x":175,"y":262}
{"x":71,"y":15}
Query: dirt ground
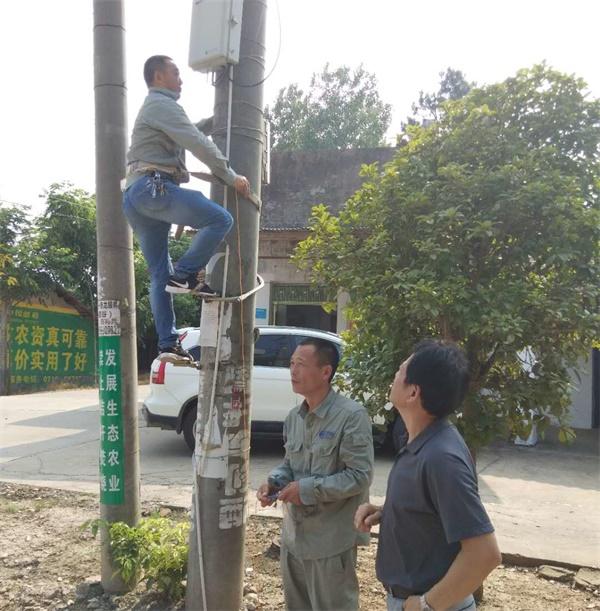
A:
{"x":45,"y":560}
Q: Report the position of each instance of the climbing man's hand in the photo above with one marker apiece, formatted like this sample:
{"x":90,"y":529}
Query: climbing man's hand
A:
{"x":242,"y":186}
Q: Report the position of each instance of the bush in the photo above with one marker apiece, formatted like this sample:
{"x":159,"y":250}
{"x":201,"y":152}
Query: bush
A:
{"x":155,"y":550}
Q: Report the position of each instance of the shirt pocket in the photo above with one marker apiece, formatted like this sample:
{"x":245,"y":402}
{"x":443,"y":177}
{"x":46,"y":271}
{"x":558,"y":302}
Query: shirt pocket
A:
{"x":325,"y":458}
{"x":295,"y":455}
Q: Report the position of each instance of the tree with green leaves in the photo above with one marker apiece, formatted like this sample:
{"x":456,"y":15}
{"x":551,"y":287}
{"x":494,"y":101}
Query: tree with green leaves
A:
{"x":485,"y":230}
{"x":56,"y":251}
{"x":11,"y":220}
{"x":65,"y":240}
{"x":20,"y":276}
{"x":430,"y":106}
{"x":342,"y":109}
{"x":47,"y":254}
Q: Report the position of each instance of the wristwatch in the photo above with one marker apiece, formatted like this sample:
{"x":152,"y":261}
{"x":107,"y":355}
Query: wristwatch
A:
{"x":424,"y":604}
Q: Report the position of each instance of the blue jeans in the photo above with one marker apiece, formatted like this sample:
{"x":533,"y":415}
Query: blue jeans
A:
{"x":397,"y":604}
{"x":151,"y":219}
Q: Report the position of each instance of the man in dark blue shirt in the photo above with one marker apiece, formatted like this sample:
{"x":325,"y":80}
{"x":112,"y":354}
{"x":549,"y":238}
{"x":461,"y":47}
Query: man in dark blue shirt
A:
{"x":436,"y":542}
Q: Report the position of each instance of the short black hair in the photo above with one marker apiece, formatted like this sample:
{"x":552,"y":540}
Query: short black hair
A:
{"x":441,"y":370}
{"x":152,"y":64}
{"x":327,"y":353}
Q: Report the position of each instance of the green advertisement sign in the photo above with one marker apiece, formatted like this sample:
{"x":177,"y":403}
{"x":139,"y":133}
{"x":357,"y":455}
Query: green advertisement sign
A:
{"x":112,"y":472}
{"x":48,"y":345}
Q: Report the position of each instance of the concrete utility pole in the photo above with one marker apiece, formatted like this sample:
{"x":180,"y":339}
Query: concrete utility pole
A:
{"x":216,"y":557}
{"x":117,"y":362}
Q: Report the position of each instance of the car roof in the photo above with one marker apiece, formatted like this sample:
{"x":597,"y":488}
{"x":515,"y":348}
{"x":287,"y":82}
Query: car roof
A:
{"x":288,"y":330}
{"x":298,"y":331}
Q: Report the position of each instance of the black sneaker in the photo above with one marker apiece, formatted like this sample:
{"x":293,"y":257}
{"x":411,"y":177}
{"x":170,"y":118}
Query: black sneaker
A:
{"x":174,"y":354}
{"x":206,"y":291}
{"x":187,"y":285}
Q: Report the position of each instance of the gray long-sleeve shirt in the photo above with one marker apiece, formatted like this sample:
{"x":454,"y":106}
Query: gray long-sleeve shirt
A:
{"x":330,"y":452}
{"x":163,"y":132}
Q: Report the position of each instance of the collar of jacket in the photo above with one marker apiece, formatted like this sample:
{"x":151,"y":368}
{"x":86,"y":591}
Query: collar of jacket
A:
{"x":171,"y":94}
{"x":323,"y":407}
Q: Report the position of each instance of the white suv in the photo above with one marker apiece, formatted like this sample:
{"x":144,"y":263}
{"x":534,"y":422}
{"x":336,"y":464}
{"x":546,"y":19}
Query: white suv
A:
{"x":173,"y":398}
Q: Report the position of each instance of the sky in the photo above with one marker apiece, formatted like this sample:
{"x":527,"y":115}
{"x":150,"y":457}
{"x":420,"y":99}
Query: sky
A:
{"x":47,"y":98}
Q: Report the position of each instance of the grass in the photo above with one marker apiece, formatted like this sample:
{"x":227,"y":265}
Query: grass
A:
{"x":41,"y":504}
{"x":7,"y":506}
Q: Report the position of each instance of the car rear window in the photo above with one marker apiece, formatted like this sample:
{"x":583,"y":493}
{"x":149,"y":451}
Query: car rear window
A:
{"x":272,"y":351}
{"x":297,"y":339}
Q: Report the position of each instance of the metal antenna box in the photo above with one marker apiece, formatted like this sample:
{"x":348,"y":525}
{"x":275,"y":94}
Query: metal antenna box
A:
{"x":215,"y":34}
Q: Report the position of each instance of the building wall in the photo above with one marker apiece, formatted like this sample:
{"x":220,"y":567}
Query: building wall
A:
{"x":581,"y":396}
{"x":275,"y":271}
{"x":299,"y":181}
{"x":275,"y":267}
{"x":302,"y":179}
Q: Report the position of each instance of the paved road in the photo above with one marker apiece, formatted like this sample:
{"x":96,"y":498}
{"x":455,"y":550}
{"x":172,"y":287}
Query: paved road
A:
{"x":53,"y":437}
{"x":544,"y":502}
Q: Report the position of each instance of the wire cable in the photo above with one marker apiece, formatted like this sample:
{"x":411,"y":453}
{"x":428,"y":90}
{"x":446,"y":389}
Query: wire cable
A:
{"x":276,"y":57}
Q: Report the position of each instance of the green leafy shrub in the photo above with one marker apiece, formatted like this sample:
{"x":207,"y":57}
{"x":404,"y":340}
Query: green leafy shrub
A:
{"x":155,"y":550}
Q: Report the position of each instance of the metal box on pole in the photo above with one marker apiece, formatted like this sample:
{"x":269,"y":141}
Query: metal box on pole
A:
{"x":215,"y":35}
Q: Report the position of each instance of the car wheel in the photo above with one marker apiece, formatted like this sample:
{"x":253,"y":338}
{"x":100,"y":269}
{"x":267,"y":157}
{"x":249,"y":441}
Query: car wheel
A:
{"x":189,"y":425}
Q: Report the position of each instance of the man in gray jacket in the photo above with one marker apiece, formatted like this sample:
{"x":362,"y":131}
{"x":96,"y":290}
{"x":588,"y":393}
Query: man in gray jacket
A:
{"x":325,"y":476}
{"x":153,"y":199}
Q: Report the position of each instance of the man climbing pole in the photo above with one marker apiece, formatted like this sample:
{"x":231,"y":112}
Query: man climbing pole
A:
{"x":153,"y":199}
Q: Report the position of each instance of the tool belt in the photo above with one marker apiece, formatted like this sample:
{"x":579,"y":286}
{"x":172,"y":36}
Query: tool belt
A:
{"x":176,"y":174}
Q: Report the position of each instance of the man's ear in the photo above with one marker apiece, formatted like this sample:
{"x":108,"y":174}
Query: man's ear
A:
{"x":415,"y":392}
{"x":327,"y":369}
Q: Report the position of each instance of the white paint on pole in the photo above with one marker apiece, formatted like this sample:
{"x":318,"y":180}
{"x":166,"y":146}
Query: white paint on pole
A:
{"x":232,"y":512}
{"x":210,"y":454}
{"x":213,"y":466}
{"x":215,"y":440}
{"x":225,"y":339}
{"x":209,"y":322}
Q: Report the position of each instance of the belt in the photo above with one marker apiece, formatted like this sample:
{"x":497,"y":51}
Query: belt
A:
{"x":398,"y":592}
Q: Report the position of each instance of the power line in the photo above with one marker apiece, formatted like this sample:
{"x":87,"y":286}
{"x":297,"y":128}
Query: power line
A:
{"x":255,"y":58}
